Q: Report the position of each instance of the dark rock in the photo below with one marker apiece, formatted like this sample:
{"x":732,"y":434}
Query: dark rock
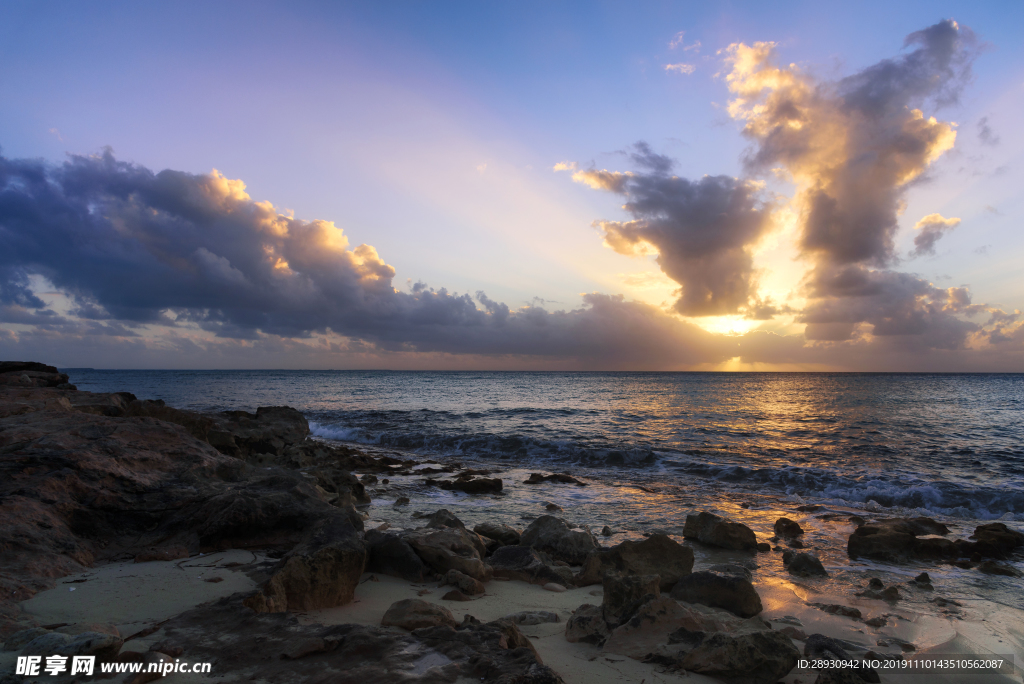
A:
{"x":402,"y":501}
{"x":808,"y":508}
{"x":624,"y":594}
{"x":464,"y":582}
{"x":606,"y":531}
{"x":550,"y":534}
{"x":586,"y":625}
{"x":838,"y":609}
{"x":923,"y":578}
{"x":444,"y":518}
{"x":450,"y":547}
{"x":508,"y":536}
{"x":456,"y":595}
{"x":658,"y":554}
{"x":994,"y":540}
{"x":390,"y":554}
{"x":480,"y":485}
{"x":715,"y":530}
{"x":822,"y":648}
{"x":896,"y":540}
{"x":761,"y":657}
{"x":525,"y":564}
{"x":537,"y":478}
{"x":994,"y":568}
{"x":784,"y":527}
{"x":732,"y":569}
{"x":532,"y":617}
{"x":321,"y":573}
{"x":763,"y":547}
{"x":804,"y":565}
{"x":734,"y":594}
{"x":415,"y":613}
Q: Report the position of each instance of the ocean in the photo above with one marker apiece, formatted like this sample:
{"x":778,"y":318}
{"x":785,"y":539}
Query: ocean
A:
{"x":655,"y":447}
{"x":947,"y":444}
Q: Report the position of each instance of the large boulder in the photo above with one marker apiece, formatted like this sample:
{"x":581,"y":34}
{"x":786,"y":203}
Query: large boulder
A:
{"x":587,"y":625}
{"x":322,"y":573}
{"x":414,"y":613}
{"x":525,"y":564}
{"x":450,"y":548}
{"x":624,"y":594}
{"x":550,"y":534}
{"x":735,"y":594}
{"x":895,"y":540}
{"x":508,"y":536}
{"x":759,"y":657}
{"x":659,"y":555}
{"x":389,"y":554}
{"x":714,"y":530}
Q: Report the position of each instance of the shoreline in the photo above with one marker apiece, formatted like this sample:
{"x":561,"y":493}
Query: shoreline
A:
{"x":338,"y":505}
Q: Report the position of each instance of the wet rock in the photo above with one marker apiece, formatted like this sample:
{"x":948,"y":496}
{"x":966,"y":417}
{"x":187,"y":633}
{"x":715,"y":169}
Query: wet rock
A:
{"x":586,"y":625}
{"x":994,"y":540}
{"x":763,"y":547}
{"x":838,"y":609}
{"x":732,"y":569}
{"x":464,"y":582}
{"x":761,"y":657}
{"x":368,"y":479}
{"x":822,"y":648}
{"x":606,"y":531}
{"x":923,"y":578}
{"x":715,"y":530}
{"x":537,"y":478}
{"x":994,"y":568}
{"x":401,"y":501}
{"x":732,"y":593}
{"x":389,"y":554}
{"x":784,"y":527}
{"x":415,"y":613}
{"x":550,"y":534}
{"x":450,"y":548}
{"x":479,"y":485}
{"x":552,"y":507}
{"x":658,"y":554}
{"x":321,"y":573}
{"x":525,"y":564}
{"x":532,"y":617}
{"x":624,"y":594}
{"x":803,"y":565}
{"x":896,"y":540}
{"x":508,"y":536}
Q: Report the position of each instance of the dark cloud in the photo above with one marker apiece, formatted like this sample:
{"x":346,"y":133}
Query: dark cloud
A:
{"x":985,"y":133}
{"x":703,"y":231}
{"x":130,"y":248}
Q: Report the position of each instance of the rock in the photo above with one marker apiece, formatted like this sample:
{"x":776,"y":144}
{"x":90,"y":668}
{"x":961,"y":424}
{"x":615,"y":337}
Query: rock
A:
{"x":923,"y":578}
{"x":532,"y":617}
{"x":878,"y":621}
{"x":805,"y":565}
{"x":659,"y":555}
{"x":763,"y":547}
{"x":761,"y":657}
{"x":19,"y":639}
{"x":525,"y":564}
{"x":368,"y":479}
{"x":415,"y":613}
{"x":444,"y":518}
{"x":838,"y":609}
{"x":269,"y":431}
{"x":389,"y":554}
{"x":464,"y":582}
{"x":896,"y":540}
{"x":732,"y":593}
{"x":480,"y":485}
{"x":401,"y":501}
{"x":552,"y":507}
{"x":994,"y":540}
{"x":823,"y":648}
{"x":103,"y":646}
{"x":715,"y":530}
{"x":537,"y":478}
{"x":784,"y":527}
{"x":624,"y":594}
{"x":793,"y":632}
{"x":554,"y":586}
{"x":994,"y":568}
{"x":508,"y":536}
{"x":450,"y":548}
{"x":586,"y":625}
{"x":456,"y":595}
{"x":606,"y":531}
{"x":321,"y":573}
{"x":550,"y":534}
{"x":732,"y":569}
{"x":652,"y":625}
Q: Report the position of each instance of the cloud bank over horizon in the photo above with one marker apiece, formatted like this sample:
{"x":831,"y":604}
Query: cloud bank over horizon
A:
{"x":103,"y":259}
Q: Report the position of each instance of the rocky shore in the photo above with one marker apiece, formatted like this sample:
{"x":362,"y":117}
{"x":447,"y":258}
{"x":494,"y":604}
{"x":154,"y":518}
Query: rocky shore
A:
{"x":106,"y":499}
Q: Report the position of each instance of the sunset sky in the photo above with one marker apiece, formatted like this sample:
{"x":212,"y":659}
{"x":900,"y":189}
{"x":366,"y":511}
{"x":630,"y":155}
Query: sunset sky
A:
{"x":531,"y":185}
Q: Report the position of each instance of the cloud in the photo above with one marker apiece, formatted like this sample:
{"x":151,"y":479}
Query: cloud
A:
{"x":932,"y":227}
{"x":703,"y":231}
{"x":679,"y":42}
{"x":135,"y":252}
{"x":852,"y":148}
{"x":985,"y":133}
{"x":681,"y":68}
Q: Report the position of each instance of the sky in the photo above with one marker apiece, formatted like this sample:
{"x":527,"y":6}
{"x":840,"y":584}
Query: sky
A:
{"x":538,"y":185}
